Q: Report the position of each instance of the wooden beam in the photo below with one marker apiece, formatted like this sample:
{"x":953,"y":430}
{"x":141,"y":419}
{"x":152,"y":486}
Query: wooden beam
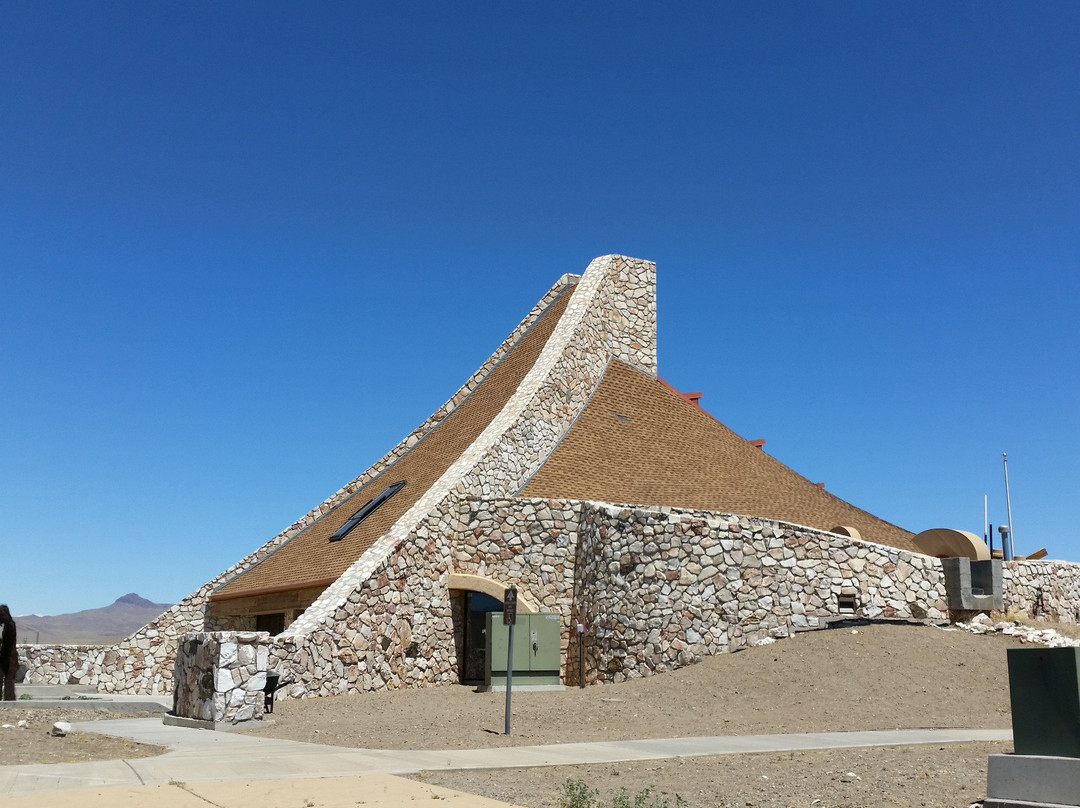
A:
{"x":296,"y":600}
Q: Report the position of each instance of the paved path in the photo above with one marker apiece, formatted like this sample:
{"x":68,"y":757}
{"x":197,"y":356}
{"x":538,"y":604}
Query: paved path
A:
{"x":201,"y":756}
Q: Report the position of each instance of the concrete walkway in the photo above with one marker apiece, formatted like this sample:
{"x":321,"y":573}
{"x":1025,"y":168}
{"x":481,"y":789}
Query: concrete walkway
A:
{"x":205,"y":761}
{"x":75,"y":697}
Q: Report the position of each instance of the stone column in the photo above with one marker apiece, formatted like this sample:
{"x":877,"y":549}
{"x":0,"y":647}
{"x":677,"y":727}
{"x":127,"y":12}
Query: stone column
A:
{"x":220,"y":678}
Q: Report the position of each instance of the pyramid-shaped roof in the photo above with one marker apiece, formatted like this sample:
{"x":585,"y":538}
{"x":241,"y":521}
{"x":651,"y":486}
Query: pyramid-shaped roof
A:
{"x":639,"y":442}
{"x":569,"y":407}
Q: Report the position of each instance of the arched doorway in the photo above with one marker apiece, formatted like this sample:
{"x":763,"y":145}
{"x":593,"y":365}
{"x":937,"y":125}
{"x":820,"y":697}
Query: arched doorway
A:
{"x":472,"y":598}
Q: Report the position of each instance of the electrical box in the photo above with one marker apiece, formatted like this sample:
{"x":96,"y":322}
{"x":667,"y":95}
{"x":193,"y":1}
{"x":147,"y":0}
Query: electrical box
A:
{"x":1044,"y":687}
{"x":536,"y":649}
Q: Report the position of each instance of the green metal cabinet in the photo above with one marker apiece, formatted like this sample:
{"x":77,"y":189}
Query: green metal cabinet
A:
{"x":1044,"y":687}
{"x":536,"y":649}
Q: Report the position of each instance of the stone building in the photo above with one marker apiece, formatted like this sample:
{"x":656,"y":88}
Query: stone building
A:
{"x":566,"y":466}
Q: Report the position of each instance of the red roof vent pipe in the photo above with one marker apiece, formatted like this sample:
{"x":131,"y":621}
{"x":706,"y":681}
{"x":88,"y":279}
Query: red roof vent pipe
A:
{"x":694,"y":398}
{"x":760,"y":443}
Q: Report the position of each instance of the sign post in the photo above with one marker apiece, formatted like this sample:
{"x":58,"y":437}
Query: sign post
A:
{"x":509,"y":618}
{"x":581,"y":652}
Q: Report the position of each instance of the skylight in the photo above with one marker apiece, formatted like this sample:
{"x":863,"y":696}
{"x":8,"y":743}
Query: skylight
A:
{"x":366,"y":511}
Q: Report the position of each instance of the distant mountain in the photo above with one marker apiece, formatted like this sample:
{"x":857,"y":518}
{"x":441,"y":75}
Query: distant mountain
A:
{"x":101,"y":626}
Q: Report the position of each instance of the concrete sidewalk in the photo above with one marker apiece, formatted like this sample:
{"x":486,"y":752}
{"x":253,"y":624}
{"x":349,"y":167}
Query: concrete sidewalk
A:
{"x":256,"y":765}
{"x":77,"y":697}
{"x":370,"y":791}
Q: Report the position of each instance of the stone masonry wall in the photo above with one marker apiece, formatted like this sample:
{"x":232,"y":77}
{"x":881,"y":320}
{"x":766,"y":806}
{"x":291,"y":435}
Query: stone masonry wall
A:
{"x":144,"y":662}
{"x":659,"y":588}
{"x":665,"y":587}
{"x":221,"y":676}
{"x":1059,"y":582}
{"x":528,"y":542}
{"x":395,"y":630}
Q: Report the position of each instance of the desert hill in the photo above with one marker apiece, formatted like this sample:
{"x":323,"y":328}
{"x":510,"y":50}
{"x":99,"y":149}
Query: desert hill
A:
{"x":105,"y":625}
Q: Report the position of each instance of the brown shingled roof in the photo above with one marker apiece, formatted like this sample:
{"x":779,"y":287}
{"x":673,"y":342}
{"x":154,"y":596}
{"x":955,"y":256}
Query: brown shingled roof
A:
{"x":638,"y":442}
{"x":310,"y":559}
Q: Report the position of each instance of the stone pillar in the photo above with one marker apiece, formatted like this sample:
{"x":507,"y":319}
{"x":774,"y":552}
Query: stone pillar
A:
{"x":220,"y":678}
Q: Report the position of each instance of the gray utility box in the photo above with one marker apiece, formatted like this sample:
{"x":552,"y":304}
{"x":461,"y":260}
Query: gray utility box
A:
{"x":973,"y":586}
{"x":536,"y":649}
{"x":1044,"y":687}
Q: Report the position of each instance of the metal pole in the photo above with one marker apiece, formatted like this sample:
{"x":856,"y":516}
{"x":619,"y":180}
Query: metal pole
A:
{"x":1008,"y":509}
{"x":509,"y":672}
{"x":581,"y":654}
{"x":986,"y":535}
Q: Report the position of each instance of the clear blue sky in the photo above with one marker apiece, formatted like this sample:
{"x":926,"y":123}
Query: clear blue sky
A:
{"x":246,"y":247}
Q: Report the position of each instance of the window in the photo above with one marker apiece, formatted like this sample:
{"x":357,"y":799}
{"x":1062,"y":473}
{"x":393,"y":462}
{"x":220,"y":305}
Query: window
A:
{"x":273,"y":623}
{"x":366,"y":511}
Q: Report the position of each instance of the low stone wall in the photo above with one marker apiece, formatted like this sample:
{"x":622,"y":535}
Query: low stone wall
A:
{"x":144,"y":662}
{"x":221,"y":676}
{"x":665,"y":587}
{"x":1058,"y":581}
{"x":141,"y":664}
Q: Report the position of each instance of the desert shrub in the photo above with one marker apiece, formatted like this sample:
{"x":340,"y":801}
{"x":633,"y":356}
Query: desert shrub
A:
{"x":576,"y":794}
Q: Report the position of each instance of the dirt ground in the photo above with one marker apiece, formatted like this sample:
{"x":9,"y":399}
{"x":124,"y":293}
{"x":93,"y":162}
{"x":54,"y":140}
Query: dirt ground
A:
{"x":869,"y":677}
{"x":950,"y":776}
{"x":35,"y":743}
{"x":872,"y":677}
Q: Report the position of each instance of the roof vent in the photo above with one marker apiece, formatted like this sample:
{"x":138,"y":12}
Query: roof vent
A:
{"x":694,"y":398}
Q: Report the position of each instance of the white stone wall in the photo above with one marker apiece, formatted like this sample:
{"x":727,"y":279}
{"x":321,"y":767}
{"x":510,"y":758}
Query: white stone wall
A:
{"x":144,"y":662}
{"x":395,"y":630}
{"x":221,"y":676}
{"x":664,"y":587}
{"x":1059,"y":582}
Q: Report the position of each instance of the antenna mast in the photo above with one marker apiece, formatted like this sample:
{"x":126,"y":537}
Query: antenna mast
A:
{"x":1008,"y":508}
